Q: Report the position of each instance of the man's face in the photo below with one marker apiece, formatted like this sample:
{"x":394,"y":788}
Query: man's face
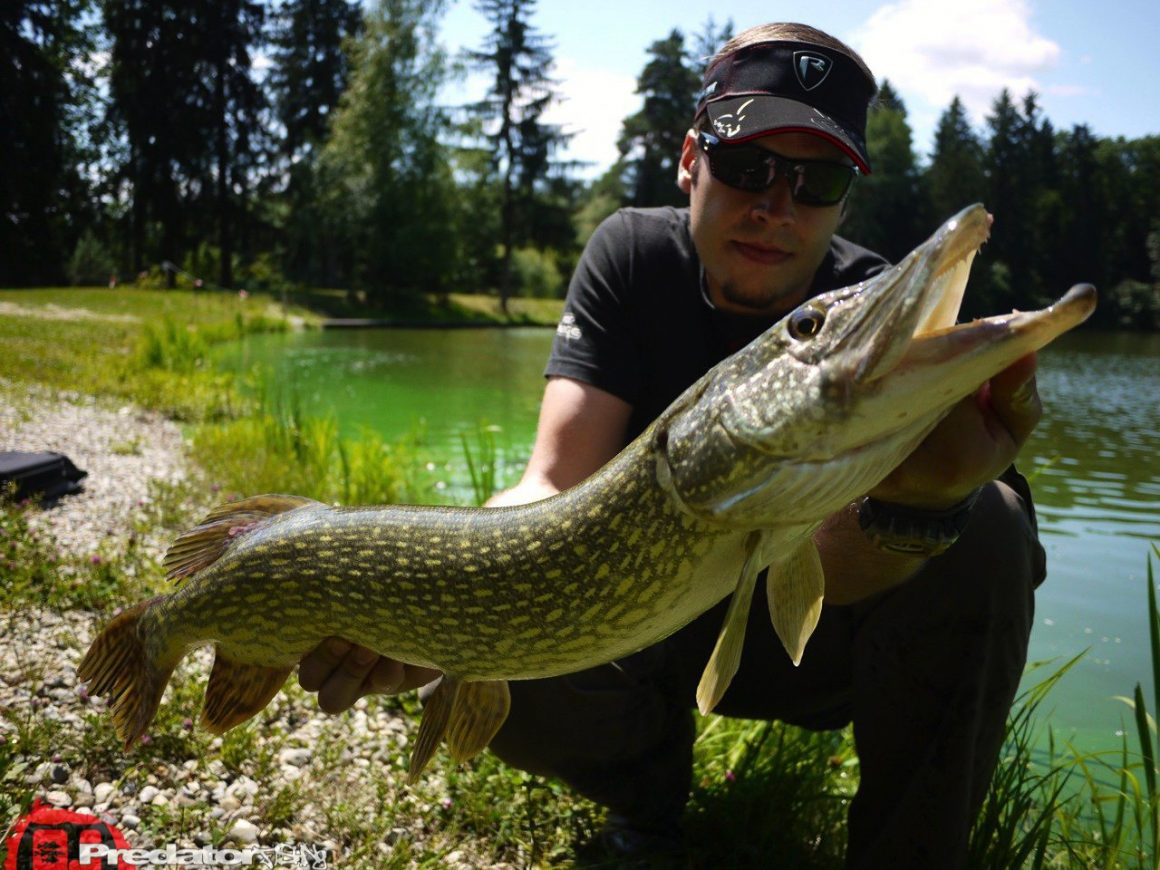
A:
{"x":760,"y":250}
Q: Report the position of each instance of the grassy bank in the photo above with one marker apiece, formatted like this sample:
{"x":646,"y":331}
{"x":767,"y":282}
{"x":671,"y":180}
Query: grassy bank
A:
{"x":760,"y":789}
{"x":437,"y":309}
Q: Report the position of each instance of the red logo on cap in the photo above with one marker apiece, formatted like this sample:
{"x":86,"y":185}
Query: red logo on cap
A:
{"x":50,"y":839}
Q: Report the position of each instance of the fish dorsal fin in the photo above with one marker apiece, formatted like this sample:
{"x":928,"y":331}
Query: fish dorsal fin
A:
{"x":436,"y":714}
{"x":795,"y":588}
{"x":480,"y":709}
{"x":204,"y":544}
{"x":726,"y":656}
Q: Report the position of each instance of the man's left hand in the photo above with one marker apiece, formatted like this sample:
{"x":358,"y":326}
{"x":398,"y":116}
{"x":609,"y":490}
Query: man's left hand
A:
{"x":972,"y":445}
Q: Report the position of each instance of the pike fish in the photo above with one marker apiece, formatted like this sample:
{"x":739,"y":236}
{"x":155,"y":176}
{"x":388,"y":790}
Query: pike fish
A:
{"x":735,"y":476}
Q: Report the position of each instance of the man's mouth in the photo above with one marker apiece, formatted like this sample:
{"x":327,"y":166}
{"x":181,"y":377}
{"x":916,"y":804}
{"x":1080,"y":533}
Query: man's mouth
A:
{"x":763,"y":254}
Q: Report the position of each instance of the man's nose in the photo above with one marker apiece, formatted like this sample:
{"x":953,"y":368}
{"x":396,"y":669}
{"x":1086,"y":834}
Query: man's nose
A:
{"x":774,"y":204}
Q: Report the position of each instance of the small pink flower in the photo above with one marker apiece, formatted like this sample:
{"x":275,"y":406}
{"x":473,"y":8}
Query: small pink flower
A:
{"x":146,"y":739}
{"x":187,"y":724}
{"x":730,"y":776}
{"x":95,"y":559}
{"x":445,"y":803}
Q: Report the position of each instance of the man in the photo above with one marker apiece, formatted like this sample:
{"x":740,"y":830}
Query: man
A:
{"x":922,"y":652}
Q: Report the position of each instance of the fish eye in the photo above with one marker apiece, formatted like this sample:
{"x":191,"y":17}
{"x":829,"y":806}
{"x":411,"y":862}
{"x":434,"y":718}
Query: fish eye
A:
{"x":806,"y":322}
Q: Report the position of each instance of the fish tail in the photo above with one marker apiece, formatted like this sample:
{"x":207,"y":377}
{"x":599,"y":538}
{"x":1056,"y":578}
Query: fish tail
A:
{"x":120,"y":667}
{"x":237,"y":691}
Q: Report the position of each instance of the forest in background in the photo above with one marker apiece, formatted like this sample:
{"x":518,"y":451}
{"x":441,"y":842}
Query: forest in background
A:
{"x":303,"y":143}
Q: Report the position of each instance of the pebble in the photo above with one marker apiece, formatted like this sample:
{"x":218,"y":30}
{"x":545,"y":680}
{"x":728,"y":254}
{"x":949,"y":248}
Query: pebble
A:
{"x":59,"y":798}
{"x":295,"y":757}
{"x":243,"y":832}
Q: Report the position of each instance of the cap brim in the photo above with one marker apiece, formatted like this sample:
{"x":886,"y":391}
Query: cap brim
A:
{"x":738,"y":119}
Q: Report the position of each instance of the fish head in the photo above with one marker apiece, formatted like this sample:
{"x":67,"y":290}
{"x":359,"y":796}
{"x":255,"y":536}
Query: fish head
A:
{"x":829,"y":400}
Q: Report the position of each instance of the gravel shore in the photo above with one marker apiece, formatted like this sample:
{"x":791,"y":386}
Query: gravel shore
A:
{"x":125,"y":451}
{"x":333,"y":773}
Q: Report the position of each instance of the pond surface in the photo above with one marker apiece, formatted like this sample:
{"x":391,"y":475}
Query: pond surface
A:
{"x":1095,"y":462}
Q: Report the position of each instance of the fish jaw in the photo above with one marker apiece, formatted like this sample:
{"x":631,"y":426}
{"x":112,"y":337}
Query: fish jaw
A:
{"x":921,"y":294}
{"x":941,"y":367}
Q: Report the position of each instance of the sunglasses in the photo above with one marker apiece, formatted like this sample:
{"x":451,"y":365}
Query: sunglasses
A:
{"x":752,"y":168}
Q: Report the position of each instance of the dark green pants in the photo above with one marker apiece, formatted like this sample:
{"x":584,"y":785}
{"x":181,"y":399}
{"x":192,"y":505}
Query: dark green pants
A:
{"x":926,"y":672}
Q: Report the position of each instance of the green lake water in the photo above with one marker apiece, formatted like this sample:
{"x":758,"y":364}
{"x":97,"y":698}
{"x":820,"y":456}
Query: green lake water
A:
{"x":1095,"y":457}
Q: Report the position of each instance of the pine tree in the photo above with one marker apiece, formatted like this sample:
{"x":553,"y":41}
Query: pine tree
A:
{"x":650,"y":141}
{"x":384,"y":173}
{"x":45,"y":93}
{"x":955,"y":176}
{"x":523,"y":145}
{"x":888,"y":211}
{"x":310,"y":72}
{"x":310,"y":68}
{"x":183,"y":94}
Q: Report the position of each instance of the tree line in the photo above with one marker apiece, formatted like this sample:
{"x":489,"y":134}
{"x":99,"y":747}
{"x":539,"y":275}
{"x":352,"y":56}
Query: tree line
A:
{"x":282,"y":143}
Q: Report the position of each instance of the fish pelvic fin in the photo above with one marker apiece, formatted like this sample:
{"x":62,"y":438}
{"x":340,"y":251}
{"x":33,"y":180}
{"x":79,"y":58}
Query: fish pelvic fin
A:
{"x":433,"y":725}
{"x":726,"y":656}
{"x":119,"y":667}
{"x":204,"y":544}
{"x":480,"y":709}
{"x":237,"y":691}
{"x":795,"y":589}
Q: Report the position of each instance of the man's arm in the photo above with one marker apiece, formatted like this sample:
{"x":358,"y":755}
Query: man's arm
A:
{"x":581,"y":427}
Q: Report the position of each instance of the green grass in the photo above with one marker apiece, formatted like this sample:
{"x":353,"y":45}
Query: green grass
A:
{"x":760,"y":789}
{"x":146,"y":346}
{"x":436,"y":310}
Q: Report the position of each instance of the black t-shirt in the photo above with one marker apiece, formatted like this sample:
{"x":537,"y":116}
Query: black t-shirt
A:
{"x":637,"y":323}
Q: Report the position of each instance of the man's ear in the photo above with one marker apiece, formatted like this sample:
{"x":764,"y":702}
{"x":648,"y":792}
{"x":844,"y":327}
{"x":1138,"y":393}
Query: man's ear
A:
{"x":689,"y":153}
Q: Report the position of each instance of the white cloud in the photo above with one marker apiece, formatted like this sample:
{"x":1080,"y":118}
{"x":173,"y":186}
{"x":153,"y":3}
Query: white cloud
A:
{"x":594,"y":102}
{"x":937,"y":50}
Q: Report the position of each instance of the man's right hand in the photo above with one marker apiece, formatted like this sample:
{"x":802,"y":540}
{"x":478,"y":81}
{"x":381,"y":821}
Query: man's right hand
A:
{"x":341,"y":672}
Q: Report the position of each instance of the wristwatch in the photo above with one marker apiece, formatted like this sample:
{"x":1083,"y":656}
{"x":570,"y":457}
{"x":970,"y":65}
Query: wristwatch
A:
{"x":914,"y":531}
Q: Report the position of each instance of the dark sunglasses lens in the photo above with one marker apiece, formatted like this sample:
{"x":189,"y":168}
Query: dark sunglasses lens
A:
{"x":743,"y":166}
{"x":822,"y":183}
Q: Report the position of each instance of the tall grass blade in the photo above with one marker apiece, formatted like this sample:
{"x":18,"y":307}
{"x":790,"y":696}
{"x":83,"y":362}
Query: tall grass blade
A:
{"x":1154,"y":632}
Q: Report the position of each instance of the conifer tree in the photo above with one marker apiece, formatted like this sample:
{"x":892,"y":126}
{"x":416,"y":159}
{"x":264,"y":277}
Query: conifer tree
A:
{"x":523,"y":145}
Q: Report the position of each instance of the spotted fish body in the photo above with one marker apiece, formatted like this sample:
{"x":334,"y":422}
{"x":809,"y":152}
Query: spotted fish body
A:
{"x":515,"y":593}
{"x":735,"y":476}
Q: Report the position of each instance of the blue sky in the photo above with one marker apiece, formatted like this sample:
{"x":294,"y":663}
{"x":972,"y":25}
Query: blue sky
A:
{"x":1090,"y":62}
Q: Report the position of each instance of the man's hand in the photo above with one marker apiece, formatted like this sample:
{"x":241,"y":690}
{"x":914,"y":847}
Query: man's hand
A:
{"x":341,"y":672}
{"x":972,"y":445}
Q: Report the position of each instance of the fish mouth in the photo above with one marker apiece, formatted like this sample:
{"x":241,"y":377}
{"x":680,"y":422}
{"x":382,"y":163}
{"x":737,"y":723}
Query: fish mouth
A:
{"x":919,"y":296}
{"x":998,"y":340}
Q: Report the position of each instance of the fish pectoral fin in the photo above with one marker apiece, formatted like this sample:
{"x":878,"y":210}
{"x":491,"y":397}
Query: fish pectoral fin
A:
{"x":433,"y":725}
{"x":795,"y":588}
{"x":480,"y":709}
{"x":726,"y":656}
{"x":237,"y":691}
{"x":204,"y":544}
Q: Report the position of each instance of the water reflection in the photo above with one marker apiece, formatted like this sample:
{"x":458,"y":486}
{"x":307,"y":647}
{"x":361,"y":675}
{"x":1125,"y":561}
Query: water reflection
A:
{"x":1096,"y":467}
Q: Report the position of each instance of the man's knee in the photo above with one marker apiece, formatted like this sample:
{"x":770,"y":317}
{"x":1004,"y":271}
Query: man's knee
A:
{"x":998,"y":561}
